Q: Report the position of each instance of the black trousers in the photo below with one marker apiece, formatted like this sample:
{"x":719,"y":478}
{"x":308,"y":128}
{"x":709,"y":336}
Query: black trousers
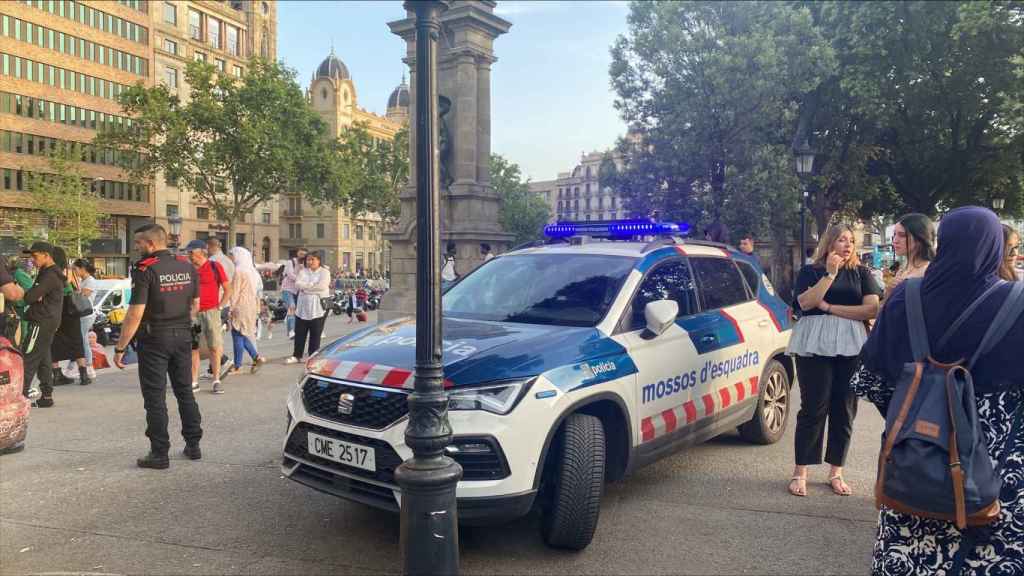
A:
{"x":825,"y":396}
{"x":314,"y":329}
{"x":38,"y":359}
{"x":164,"y":353}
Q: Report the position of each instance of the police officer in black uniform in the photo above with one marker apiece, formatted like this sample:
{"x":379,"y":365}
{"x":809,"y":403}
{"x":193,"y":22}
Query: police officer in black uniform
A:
{"x":165,"y":294}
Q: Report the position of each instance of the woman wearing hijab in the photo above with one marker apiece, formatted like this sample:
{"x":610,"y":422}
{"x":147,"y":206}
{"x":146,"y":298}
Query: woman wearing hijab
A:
{"x":969,"y":254}
{"x":245,"y":308}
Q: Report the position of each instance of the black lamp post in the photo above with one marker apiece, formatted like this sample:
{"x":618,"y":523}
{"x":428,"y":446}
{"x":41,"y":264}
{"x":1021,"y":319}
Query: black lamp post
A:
{"x":998,"y":203}
{"x":804,"y":166}
{"x":175,"y":224}
{"x":429,"y":522}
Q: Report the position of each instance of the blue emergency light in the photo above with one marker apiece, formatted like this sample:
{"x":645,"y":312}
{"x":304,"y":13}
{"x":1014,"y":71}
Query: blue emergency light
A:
{"x":615,"y":229}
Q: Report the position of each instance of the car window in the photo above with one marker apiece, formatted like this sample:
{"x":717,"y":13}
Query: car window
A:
{"x":720,"y":282}
{"x":750,"y":275}
{"x":559,"y":289}
{"x":670,"y":281}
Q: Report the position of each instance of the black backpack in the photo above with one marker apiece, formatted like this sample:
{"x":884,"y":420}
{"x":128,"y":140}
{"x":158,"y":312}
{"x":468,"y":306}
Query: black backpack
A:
{"x":934,"y":461}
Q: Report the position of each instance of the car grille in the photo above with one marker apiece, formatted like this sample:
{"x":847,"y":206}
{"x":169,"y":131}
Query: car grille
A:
{"x":372,"y":408}
{"x":384,"y":455}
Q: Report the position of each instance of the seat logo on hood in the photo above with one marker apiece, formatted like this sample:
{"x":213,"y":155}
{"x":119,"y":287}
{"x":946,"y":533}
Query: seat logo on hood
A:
{"x":346,"y":403}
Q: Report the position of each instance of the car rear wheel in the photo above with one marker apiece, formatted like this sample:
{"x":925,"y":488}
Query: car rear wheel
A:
{"x":576,"y":482}
{"x":772,"y":413}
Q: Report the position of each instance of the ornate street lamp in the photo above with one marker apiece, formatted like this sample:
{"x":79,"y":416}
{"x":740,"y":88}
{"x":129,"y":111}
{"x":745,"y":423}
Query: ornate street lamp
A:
{"x":175,"y":224}
{"x":804,"y":156}
{"x":429,"y":522}
{"x":998,"y":203}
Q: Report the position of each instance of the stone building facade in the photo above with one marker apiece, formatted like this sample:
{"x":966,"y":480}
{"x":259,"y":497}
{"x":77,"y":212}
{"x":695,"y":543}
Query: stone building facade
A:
{"x":62,"y":65}
{"x":577,"y":195}
{"x":347,"y":243}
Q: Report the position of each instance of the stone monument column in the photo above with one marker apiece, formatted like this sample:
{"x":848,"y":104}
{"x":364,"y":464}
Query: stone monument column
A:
{"x":469,"y":206}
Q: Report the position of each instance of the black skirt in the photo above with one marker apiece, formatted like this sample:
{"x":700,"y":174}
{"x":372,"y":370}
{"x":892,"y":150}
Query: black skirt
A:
{"x":67,"y":342}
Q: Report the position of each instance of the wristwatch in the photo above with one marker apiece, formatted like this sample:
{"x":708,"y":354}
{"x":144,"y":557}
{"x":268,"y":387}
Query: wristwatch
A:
{"x":119,"y":350}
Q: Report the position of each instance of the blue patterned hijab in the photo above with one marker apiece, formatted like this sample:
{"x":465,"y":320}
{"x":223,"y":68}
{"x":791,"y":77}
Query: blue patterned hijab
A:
{"x":970,"y":251}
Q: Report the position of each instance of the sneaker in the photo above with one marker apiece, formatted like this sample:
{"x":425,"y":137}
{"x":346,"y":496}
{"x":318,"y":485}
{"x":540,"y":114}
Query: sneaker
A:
{"x":154,"y":461}
{"x":217,"y":388}
{"x":258,"y":363}
{"x":195,"y":386}
{"x":291,"y":334}
{"x":192,"y":452}
{"x":206,"y":376}
{"x":292,"y":360}
{"x":44,"y":402}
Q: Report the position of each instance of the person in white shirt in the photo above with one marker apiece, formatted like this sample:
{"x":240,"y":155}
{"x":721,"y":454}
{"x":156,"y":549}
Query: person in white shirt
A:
{"x":485,"y":251}
{"x":313,"y":283}
{"x":216,"y":251}
{"x":448,"y":273}
{"x":289,"y":293}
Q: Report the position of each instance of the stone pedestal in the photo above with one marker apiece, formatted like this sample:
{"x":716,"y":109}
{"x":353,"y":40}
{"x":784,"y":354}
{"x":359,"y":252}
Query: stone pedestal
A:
{"x":469,"y":206}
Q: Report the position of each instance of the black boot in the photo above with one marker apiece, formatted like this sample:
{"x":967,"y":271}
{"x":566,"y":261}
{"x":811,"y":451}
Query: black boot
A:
{"x":192,"y":451}
{"x":45,"y":401}
{"x":83,"y":376}
{"x":59,"y":379}
{"x":154,"y":460}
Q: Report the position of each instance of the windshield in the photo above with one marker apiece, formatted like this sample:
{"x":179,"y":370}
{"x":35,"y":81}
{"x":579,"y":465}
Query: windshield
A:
{"x":560,"y":289}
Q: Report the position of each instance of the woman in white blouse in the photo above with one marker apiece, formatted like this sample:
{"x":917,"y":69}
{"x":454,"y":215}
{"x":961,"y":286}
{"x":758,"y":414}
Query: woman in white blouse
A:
{"x":313,"y":283}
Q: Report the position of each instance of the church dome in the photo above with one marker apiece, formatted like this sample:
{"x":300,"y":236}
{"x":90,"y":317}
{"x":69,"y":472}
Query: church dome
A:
{"x":332,"y":67}
{"x":399,"y":96}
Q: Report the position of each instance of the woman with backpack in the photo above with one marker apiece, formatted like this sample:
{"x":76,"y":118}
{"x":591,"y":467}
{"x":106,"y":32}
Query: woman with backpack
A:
{"x":962,"y":276}
{"x":836,"y":296}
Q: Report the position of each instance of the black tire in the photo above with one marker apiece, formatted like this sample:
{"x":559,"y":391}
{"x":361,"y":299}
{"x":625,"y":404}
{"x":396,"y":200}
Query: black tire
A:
{"x":576,"y":484}
{"x":773,"y":407}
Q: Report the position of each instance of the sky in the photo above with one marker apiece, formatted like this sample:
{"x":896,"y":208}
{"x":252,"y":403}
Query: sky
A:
{"x":551,"y":98}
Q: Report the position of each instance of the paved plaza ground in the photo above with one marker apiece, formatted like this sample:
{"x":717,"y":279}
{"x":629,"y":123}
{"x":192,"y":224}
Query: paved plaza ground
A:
{"x":74,"y":502}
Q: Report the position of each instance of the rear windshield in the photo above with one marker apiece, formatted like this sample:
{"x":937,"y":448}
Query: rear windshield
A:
{"x":559,"y":289}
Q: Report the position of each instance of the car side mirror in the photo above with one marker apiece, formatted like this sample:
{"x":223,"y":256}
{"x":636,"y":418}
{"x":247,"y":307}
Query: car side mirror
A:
{"x":659,"y":315}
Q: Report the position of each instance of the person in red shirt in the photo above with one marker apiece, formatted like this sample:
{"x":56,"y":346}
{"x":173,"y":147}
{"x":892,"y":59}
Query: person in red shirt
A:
{"x":214,"y":289}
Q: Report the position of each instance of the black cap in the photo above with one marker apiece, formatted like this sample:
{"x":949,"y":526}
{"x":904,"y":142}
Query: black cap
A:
{"x":40,"y":247}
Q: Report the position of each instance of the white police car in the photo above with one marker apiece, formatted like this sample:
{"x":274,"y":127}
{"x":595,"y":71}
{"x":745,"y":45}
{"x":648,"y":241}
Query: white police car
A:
{"x":567,"y":364}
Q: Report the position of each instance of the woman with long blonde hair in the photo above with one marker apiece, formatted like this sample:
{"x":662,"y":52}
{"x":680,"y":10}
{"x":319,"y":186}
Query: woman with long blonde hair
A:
{"x":836,"y":295}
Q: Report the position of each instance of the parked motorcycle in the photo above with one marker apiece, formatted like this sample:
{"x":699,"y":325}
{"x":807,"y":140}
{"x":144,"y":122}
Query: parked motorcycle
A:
{"x":106,"y":331}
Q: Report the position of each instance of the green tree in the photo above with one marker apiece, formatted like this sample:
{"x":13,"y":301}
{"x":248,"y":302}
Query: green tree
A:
{"x":235,"y":143}
{"x":369,"y":173}
{"x":522,"y":213}
{"x":68,"y":202}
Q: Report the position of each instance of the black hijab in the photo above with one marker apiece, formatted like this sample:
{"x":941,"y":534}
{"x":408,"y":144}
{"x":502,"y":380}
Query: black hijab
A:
{"x":968,"y":258}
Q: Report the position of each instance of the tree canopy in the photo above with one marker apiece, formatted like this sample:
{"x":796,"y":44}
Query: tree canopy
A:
{"x":522,"y":213}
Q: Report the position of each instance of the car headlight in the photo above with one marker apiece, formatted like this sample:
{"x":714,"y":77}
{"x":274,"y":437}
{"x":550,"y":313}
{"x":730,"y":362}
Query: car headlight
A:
{"x":497,"y":398}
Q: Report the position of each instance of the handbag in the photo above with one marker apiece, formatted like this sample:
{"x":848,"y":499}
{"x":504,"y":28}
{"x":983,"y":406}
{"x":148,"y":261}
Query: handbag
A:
{"x":77,"y":305}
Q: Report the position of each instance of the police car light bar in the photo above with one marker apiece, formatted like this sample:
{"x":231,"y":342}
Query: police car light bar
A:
{"x":615,"y":229}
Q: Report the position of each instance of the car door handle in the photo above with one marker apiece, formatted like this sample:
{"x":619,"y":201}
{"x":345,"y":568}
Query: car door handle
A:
{"x":763,"y":323}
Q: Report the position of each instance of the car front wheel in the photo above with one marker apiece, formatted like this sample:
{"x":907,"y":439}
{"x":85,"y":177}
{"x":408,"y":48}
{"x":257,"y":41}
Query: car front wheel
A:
{"x":772,"y":413}
{"x":576,"y":482}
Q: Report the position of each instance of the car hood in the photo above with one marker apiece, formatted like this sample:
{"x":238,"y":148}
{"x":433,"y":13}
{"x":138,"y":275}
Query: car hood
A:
{"x":473,"y":352}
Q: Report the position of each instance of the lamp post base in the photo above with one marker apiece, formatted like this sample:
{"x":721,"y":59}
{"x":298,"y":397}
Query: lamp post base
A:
{"x":429,"y":526}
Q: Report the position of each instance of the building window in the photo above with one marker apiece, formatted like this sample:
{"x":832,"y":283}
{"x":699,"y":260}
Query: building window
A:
{"x":346,"y":260}
{"x":171,"y":78}
{"x":220,"y":64}
{"x":237,"y":70}
{"x":359,"y":231}
{"x":199,"y":56}
{"x":195,"y":30}
{"x":202,"y":213}
{"x":213,"y":31}
{"x":239,"y":239}
{"x":170,"y":46}
{"x":323,"y":94}
{"x":321,"y":230}
{"x":265,"y":43}
{"x":345,"y":232}
{"x":373,"y":233}
{"x":266,"y":8}
{"x":232,"y":38}
{"x":170,"y":13}
{"x":172,"y":210}
{"x":359,"y":261}
{"x":266,"y":218}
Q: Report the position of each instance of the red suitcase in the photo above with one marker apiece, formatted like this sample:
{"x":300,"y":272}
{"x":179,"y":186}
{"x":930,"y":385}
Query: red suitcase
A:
{"x":14,"y":406}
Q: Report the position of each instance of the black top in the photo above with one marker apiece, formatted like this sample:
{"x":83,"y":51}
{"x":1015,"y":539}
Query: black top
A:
{"x":848,"y":289}
{"x":167,"y":285}
{"x":45,"y":298}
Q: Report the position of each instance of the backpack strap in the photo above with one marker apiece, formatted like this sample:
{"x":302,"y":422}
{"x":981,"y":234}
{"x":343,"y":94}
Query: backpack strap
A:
{"x":915,"y":320}
{"x":1004,"y":320}
{"x":966,"y":314}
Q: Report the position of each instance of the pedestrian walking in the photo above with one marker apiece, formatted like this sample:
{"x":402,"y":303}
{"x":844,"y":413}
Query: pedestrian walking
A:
{"x":68,"y":341}
{"x":913,"y":238}
{"x":215,"y":250}
{"x":83,"y":272}
{"x":448,"y":273}
{"x":165,"y":294}
{"x":313,"y":283}
{"x":1011,"y":249}
{"x":45,"y":300}
{"x":245,"y":309}
{"x":214,"y":291}
{"x":836,"y":296}
{"x":965,"y":268}
{"x":289,"y":292}
{"x":485,"y":251}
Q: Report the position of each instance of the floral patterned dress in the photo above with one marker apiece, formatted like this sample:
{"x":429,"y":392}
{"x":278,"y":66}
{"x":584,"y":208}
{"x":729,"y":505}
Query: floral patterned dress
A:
{"x":909,"y":545}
